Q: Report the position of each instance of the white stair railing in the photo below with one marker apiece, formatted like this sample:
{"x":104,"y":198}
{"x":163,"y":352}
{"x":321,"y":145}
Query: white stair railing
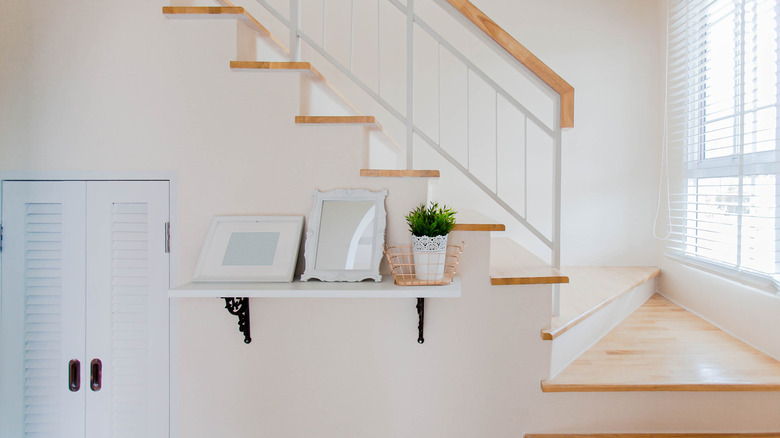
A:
{"x":550,"y":237}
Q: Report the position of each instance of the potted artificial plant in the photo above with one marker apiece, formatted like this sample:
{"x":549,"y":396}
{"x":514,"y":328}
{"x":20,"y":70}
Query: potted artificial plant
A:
{"x":430,"y":227}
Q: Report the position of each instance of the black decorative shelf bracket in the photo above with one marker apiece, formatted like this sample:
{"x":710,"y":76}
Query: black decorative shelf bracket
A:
{"x":421,"y":315}
{"x":240,"y":307}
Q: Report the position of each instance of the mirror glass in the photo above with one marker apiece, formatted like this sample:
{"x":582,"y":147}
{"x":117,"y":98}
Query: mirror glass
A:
{"x":346,"y":235}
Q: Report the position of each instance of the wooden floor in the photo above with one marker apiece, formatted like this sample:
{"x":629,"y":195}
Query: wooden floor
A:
{"x":591,"y":288}
{"x":654,"y":435}
{"x":663,"y":347}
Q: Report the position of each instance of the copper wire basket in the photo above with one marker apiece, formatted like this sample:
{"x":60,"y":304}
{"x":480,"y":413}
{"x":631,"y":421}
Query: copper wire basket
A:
{"x":434,"y":269}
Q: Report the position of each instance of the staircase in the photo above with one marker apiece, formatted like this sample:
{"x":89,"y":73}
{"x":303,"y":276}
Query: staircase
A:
{"x":578,"y":326}
{"x":409,"y":108}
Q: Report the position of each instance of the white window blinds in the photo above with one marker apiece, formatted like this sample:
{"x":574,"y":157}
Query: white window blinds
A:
{"x":723,"y":133}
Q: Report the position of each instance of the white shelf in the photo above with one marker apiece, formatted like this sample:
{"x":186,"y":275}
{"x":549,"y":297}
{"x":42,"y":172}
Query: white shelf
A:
{"x":316,"y":289}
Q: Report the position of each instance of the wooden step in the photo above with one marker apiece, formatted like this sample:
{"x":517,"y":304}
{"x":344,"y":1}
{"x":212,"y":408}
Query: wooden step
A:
{"x":361,"y":120}
{"x":227,"y":10}
{"x":470,"y":220}
{"x":654,"y":435}
{"x":392,"y":173}
{"x":281,"y":66}
{"x":510,"y":264}
{"x":663,"y":347}
{"x":590,"y":289}
{"x":203,"y":10}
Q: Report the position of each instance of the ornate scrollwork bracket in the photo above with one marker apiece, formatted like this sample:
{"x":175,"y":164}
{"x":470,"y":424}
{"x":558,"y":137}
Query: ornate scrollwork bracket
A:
{"x":240,"y":307}
{"x":421,"y":315}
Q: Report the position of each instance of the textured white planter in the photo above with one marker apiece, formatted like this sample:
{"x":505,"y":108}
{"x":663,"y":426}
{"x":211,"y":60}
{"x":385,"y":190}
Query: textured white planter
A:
{"x":430,"y":253}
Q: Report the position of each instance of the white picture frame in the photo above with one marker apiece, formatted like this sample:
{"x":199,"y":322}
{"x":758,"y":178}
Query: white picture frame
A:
{"x":367,"y":266}
{"x":250,"y":249}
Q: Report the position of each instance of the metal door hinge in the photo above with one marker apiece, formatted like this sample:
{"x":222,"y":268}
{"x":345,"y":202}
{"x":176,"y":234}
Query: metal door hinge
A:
{"x":167,"y":237}
{"x":1,"y":238}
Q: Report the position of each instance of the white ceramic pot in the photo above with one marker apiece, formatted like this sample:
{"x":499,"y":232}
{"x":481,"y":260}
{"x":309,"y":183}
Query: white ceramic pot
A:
{"x":430,"y":253}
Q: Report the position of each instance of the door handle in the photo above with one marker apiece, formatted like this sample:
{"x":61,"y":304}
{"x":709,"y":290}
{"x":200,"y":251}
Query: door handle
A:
{"x":74,"y":375}
{"x":95,"y":375}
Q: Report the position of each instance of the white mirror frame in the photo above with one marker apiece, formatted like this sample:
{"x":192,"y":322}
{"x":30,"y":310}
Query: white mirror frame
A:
{"x":312,"y":236}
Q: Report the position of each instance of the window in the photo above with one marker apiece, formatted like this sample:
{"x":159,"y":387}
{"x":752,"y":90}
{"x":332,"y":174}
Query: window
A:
{"x":723,"y":133}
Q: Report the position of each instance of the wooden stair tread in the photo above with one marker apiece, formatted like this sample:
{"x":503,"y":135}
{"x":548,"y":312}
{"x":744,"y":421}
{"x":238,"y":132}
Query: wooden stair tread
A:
{"x":364,"y":120}
{"x":203,"y":10}
{"x":393,"y":173}
{"x":470,"y":220}
{"x":663,"y":347}
{"x":510,"y":263}
{"x":264,"y":65}
{"x":226,"y":9}
{"x":590,"y":289}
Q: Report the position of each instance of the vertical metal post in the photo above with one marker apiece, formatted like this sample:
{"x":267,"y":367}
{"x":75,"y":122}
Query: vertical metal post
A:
{"x":495,"y":96}
{"x":438,"y":89}
{"x":351,"y":35}
{"x":410,"y":84}
{"x":379,"y":48}
{"x":468,"y":118}
{"x":556,"y":231}
{"x":325,"y":25}
{"x":525,"y":167}
{"x":295,"y":26}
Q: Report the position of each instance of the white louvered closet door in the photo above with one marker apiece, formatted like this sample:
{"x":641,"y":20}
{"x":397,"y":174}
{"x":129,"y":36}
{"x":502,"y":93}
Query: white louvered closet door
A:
{"x":127,"y":298}
{"x":43,"y":311}
{"x":85,"y":277}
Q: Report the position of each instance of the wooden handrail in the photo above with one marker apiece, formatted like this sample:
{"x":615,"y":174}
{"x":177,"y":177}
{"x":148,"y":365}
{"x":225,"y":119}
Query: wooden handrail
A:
{"x":519,"y":52}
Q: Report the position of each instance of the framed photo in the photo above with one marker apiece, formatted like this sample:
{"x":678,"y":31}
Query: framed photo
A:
{"x":250,"y":249}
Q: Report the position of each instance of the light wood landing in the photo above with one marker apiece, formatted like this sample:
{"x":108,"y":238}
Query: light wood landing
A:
{"x":283,"y":66}
{"x":392,"y":173}
{"x":470,"y":220}
{"x":360,"y":120}
{"x":203,"y":10}
{"x":654,"y":435}
{"x":663,"y":347}
{"x":510,"y":264}
{"x":590,"y":289}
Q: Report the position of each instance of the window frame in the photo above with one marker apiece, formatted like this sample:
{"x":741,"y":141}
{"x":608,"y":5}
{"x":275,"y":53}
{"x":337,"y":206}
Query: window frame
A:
{"x":698,"y":166}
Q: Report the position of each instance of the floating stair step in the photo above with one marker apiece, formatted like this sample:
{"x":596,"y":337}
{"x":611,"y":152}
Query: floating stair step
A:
{"x":663,"y":347}
{"x":228,"y":10}
{"x":392,"y":173}
{"x":203,"y":10}
{"x":470,"y":220}
{"x":510,"y":264}
{"x":280,"y":66}
{"x":654,"y":435}
{"x":359,"y":120}
{"x":590,"y":289}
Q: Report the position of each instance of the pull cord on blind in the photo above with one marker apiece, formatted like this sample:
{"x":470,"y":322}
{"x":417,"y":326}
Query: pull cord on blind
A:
{"x":723,"y":122}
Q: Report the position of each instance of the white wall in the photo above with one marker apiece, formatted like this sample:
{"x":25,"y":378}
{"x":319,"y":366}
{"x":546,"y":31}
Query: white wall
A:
{"x":102,"y":86}
{"x":611,"y":52}
{"x":748,"y":313}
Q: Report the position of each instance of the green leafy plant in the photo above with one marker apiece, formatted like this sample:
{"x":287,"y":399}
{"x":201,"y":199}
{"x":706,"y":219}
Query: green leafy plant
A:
{"x":431,"y":221}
